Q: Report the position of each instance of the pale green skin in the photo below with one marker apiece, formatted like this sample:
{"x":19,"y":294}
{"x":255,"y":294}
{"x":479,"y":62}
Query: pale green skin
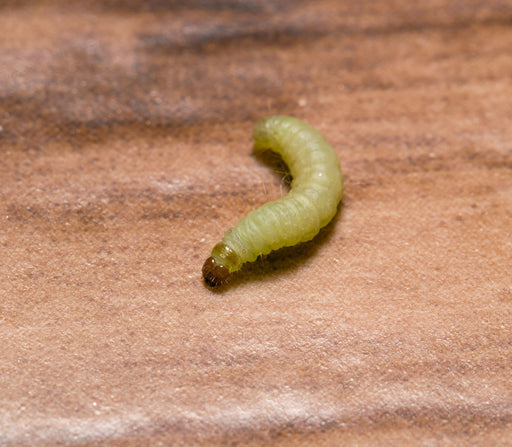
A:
{"x":312,"y":202}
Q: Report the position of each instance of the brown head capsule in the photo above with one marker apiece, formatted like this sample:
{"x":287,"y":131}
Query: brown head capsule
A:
{"x":219,"y":265}
{"x":214,"y":273}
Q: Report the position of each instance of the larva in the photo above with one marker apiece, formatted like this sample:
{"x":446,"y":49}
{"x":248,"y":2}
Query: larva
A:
{"x":316,"y":190}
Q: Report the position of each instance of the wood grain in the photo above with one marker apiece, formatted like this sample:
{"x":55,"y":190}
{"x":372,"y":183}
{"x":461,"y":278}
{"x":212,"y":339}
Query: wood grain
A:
{"x":125,"y":154}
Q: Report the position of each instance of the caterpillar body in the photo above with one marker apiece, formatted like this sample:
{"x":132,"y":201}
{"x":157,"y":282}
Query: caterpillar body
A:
{"x":316,"y":190}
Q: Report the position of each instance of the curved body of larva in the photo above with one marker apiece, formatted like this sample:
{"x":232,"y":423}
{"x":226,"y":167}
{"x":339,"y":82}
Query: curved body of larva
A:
{"x":316,"y":190}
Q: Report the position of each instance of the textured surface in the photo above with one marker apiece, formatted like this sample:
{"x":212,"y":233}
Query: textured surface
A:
{"x":125,"y":154}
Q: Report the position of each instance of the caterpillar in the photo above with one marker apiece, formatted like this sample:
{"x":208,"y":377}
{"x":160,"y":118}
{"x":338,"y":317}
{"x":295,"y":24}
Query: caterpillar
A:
{"x":316,"y":190}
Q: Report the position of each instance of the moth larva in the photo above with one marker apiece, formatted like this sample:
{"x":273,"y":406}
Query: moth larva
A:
{"x":316,"y":190}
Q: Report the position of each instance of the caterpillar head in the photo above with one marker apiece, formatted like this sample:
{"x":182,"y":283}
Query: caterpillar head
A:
{"x":214,"y":274}
{"x":219,"y":265}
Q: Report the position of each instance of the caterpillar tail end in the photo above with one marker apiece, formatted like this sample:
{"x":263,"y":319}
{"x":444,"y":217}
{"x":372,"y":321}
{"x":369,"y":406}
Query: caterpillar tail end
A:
{"x":214,"y":273}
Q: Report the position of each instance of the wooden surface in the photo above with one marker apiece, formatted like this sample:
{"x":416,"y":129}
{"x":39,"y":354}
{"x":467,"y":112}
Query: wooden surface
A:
{"x":126,"y":154}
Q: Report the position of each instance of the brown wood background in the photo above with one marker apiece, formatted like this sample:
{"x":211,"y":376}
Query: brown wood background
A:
{"x":125,"y":155}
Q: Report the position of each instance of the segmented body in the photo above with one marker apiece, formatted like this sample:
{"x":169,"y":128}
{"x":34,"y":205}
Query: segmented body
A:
{"x":316,"y":190}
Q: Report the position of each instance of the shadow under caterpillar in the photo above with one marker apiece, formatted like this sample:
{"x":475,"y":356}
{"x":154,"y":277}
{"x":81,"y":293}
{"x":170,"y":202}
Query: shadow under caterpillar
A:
{"x":316,"y":190}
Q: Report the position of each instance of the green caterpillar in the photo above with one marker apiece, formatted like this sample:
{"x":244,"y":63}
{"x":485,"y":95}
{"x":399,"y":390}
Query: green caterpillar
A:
{"x":315,"y":193}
